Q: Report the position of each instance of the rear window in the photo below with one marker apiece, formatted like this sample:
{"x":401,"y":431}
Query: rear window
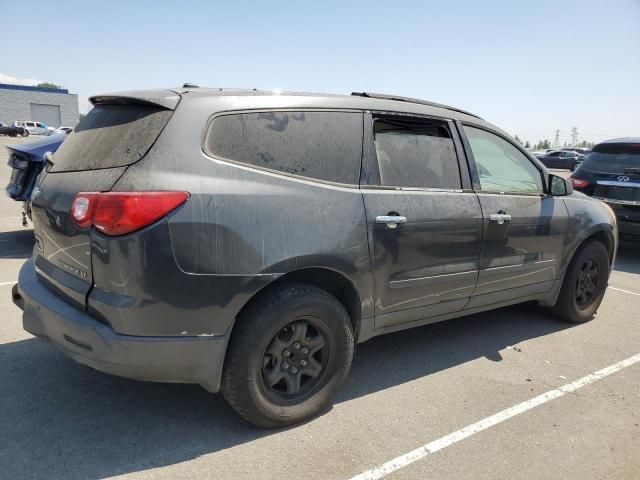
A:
{"x":111,"y":136}
{"x":613,"y":158}
{"x":319,"y":145}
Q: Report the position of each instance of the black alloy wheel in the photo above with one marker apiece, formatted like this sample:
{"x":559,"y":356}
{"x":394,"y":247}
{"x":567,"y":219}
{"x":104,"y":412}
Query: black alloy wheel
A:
{"x":587,"y":283}
{"x":295,"y":361}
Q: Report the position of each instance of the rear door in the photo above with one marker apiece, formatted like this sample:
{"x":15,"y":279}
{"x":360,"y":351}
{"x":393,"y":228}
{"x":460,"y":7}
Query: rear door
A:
{"x":424,"y":222}
{"x":91,"y":159}
{"x":524,"y":228}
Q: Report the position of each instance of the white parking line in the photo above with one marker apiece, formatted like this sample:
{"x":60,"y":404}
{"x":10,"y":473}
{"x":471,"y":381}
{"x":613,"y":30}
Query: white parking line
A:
{"x":465,"y":432}
{"x":625,"y":291}
{"x":5,"y":284}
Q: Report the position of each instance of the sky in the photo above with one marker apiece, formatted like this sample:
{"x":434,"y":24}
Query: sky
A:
{"x":530,"y":67}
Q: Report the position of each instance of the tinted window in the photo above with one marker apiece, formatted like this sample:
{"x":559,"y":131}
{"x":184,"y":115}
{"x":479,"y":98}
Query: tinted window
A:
{"x":111,"y":136}
{"x":412,"y":154}
{"x":613,"y":158}
{"x":501,"y":166}
{"x":321,"y":145}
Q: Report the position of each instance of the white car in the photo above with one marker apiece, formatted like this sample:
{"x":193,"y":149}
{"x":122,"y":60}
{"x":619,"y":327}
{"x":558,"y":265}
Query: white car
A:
{"x":63,"y":129}
{"x":34,"y":128}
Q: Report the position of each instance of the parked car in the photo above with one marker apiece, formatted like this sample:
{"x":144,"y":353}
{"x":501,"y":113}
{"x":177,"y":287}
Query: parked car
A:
{"x":13,"y":131}
{"x":611,"y":173}
{"x":65,"y":130}
{"x":27,"y":160}
{"x":34,"y":128}
{"x":561,"y":159}
{"x":246,"y":240}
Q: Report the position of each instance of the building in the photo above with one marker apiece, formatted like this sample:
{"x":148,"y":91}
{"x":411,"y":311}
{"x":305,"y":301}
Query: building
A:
{"x":54,"y":107}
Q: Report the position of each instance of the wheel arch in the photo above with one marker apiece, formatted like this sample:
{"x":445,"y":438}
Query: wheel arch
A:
{"x":336,"y":283}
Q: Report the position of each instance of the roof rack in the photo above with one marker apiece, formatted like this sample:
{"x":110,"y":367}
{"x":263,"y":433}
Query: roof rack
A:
{"x":398,"y":98}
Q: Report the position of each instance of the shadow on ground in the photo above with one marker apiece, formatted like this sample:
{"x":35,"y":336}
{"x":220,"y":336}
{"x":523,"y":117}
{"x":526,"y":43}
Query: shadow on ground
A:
{"x":63,"y":420}
{"x":628,"y":258}
{"x":16,"y":244}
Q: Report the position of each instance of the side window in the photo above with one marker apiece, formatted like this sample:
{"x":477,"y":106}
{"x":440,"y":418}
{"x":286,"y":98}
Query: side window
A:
{"x":416,"y":154}
{"x":501,"y":166}
{"x":320,"y":145}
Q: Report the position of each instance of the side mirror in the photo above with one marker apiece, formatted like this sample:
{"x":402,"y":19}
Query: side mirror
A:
{"x":559,"y":187}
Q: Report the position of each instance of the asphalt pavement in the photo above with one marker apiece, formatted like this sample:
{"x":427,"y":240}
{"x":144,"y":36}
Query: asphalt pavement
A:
{"x":471,"y":398}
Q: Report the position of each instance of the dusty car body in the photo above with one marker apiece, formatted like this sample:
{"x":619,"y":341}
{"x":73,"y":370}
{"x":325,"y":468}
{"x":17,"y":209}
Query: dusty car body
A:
{"x":281,"y":229}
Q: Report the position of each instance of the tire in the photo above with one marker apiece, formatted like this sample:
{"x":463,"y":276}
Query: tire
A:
{"x":293,"y":318}
{"x":581,"y":293}
{"x":25,"y":133}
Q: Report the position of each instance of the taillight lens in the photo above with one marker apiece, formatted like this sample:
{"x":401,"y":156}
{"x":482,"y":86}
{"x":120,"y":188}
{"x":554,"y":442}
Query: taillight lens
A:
{"x":118,"y":213}
{"x":577,"y":183}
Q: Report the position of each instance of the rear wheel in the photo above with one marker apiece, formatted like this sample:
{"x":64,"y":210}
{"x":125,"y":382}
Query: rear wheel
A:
{"x":584,"y":284}
{"x":25,"y":133}
{"x":288,"y":354}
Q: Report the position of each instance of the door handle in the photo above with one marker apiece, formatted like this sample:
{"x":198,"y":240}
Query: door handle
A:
{"x":391,"y":221}
{"x":499,"y":218}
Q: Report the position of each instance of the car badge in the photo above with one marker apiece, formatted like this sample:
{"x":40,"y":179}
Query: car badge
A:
{"x":623,"y":178}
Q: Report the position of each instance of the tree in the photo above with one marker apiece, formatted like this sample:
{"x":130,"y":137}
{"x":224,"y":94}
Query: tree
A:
{"x":527,"y":145}
{"x":546,"y":144}
{"x":49,"y":85}
{"x":518,"y":140}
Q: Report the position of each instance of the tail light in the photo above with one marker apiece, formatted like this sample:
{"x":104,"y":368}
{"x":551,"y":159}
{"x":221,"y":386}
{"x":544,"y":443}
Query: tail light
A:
{"x":577,"y":183}
{"x":118,"y":213}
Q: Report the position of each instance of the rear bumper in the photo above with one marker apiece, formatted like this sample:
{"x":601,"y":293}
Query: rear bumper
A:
{"x":89,"y":342}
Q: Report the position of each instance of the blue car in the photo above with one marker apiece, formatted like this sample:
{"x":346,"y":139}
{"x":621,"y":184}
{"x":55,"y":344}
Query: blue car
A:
{"x":27,"y":161}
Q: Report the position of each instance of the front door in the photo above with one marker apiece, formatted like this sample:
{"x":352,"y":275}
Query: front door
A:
{"x":524,"y":229}
{"x":424,"y":228}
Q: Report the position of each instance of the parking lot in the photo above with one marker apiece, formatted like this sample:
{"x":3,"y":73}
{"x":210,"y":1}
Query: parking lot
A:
{"x":437,"y":387}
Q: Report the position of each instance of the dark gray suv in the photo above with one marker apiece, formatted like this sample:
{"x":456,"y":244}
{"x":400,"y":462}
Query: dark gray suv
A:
{"x":247,"y":240}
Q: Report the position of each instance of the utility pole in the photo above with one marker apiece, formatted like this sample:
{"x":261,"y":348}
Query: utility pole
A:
{"x":574,"y":136}
{"x":556,"y":142}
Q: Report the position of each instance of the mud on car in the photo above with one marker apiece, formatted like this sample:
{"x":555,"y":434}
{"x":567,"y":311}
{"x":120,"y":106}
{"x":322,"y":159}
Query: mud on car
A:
{"x":248,"y":240}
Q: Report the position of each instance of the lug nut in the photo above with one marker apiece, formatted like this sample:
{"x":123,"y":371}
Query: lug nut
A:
{"x":285,"y":366}
{"x":303,"y":363}
{"x":287,"y":353}
{"x":305,"y":350}
{"x":294,"y":370}
{"x":296,"y":345}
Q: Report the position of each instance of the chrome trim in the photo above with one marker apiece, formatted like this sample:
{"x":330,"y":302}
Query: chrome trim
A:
{"x":616,"y":201}
{"x":391,"y":221}
{"x":500,"y":218}
{"x":612,"y":183}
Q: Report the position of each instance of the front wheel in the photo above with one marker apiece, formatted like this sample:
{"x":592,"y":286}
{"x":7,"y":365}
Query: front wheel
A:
{"x":288,"y":354}
{"x":25,"y":133}
{"x":584,"y":284}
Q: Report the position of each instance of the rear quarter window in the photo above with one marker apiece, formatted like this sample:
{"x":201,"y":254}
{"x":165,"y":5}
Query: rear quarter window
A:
{"x":318,"y":145}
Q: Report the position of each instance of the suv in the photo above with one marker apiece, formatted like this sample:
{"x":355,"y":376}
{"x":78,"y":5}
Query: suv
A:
{"x":611,"y":172}
{"x":247,"y":240}
{"x":34,"y":128}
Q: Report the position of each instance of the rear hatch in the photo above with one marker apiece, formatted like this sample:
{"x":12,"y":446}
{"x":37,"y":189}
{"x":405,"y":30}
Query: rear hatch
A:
{"x":615,"y":167}
{"x":116,"y":133}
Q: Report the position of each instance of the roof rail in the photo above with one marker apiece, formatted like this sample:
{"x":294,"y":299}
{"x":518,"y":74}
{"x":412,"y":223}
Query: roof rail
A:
{"x":398,"y":98}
